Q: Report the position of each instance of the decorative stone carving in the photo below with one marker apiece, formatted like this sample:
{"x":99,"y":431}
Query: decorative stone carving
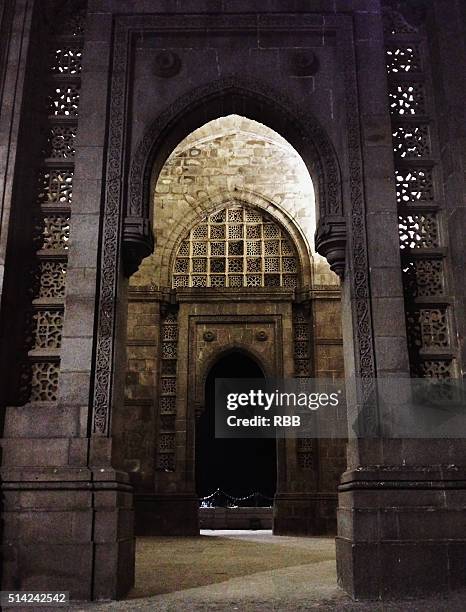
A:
{"x":167,"y":393}
{"x":357,"y":247}
{"x":319,"y":150}
{"x":330,"y":242}
{"x":261,"y":336}
{"x":167,"y":64}
{"x":209,"y":336}
{"x":44,"y":383}
{"x":302,"y":63}
{"x":55,"y":187}
{"x":52,"y":198}
{"x":53,"y":232}
{"x":49,"y":279}
{"x":236,"y":247}
{"x":64,"y":100}
{"x":421,"y":241}
{"x":60,"y":142}
{"x":48,"y":329}
{"x":138,"y":243}
{"x":67,"y":60}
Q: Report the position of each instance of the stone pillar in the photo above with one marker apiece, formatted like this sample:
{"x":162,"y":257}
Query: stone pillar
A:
{"x":399,"y":519}
{"x":67,"y":511}
{"x":309,"y":469}
{"x":446,"y":31}
{"x":15,"y":23}
{"x":172,"y":508}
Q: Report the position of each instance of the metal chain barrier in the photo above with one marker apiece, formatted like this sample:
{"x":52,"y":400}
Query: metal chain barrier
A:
{"x":220,"y":499}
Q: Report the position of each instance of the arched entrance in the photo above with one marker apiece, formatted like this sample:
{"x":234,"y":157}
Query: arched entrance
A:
{"x":237,"y":263}
{"x":238,"y":467}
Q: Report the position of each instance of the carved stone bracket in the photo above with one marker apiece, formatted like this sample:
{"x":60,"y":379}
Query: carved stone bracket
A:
{"x":330,"y":241}
{"x":138,"y":243}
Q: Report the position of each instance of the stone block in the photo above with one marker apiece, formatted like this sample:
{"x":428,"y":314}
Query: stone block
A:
{"x":76,"y":355}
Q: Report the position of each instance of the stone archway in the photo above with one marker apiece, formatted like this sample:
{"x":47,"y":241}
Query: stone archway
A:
{"x":229,"y":95}
{"x":238,"y":467}
{"x":62,"y":455}
{"x":251,"y":99}
{"x":237,"y":96}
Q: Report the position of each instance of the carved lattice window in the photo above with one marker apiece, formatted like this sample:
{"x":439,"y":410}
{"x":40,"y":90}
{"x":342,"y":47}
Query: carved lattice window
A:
{"x":66,"y":59}
{"x":418,"y":231}
{"x":301,"y":338}
{"x":52,"y":199}
{"x":60,"y":142}
{"x":48,"y":329}
{"x":438,"y":368}
{"x":411,"y":141}
{"x":55,"y":187}
{"x":64,"y":100}
{"x":422,"y":236}
{"x":236,"y":247}
{"x":167,"y":404}
{"x":50,"y":279}
{"x":54,"y":232}
{"x":44,"y":381}
{"x":403,"y":59}
{"x":414,"y":185}
{"x":424,"y":277}
{"x":428,"y":329}
{"x":407,"y":99}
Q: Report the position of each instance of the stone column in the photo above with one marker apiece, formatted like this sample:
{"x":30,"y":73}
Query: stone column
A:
{"x":15,"y":23}
{"x":399,"y":520}
{"x":68,"y":517}
{"x":446,"y":30}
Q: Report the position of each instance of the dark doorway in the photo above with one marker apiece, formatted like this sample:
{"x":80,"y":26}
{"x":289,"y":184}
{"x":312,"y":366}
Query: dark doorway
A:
{"x":237,"y":467}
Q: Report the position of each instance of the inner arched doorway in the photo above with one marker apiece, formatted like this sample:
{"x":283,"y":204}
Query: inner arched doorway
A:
{"x":234,"y":268}
{"x":238,"y":467}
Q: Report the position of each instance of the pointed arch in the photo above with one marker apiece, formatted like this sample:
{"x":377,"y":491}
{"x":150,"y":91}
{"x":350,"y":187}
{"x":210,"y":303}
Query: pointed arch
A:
{"x":209,"y":362}
{"x":231,"y":95}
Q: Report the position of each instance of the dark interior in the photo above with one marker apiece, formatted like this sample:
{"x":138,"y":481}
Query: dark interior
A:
{"x":239,"y":467}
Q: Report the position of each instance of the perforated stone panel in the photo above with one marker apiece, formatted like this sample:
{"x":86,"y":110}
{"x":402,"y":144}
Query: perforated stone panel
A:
{"x":422,"y":237}
{"x":232,"y":248}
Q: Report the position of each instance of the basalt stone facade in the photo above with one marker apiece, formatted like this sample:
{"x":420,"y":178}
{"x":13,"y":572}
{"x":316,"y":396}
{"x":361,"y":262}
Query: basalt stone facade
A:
{"x":103,"y":365}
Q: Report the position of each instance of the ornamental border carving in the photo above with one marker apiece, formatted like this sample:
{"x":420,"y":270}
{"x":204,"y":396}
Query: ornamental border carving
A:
{"x":110,"y":254}
{"x":359,"y":264}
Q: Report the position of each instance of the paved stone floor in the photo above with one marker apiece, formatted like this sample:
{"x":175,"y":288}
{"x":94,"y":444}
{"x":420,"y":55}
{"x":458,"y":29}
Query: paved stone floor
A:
{"x":246,"y":571}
